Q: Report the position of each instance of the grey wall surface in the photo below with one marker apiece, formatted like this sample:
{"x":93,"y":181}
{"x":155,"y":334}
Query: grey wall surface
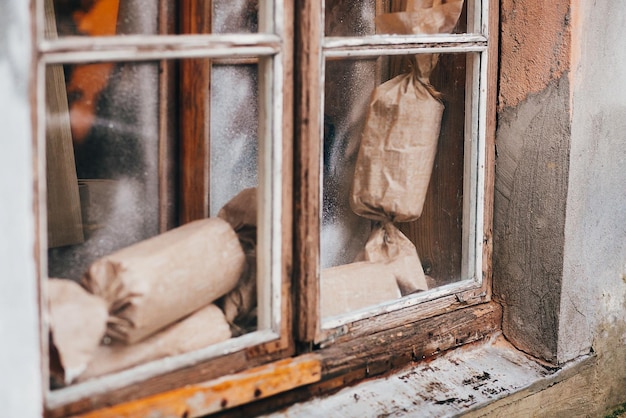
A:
{"x":530,"y":196}
{"x":20,"y":369}
{"x":594,"y":272}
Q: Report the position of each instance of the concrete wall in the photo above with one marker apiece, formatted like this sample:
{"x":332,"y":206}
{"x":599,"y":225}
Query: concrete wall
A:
{"x":595,"y":230}
{"x":20,"y":370}
{"x":532,"y":151}
{"x":560,"y":215}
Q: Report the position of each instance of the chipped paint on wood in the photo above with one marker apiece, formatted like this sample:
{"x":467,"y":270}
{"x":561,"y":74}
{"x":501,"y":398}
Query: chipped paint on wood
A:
{"x":223,"y":393}
{"x":455,"y":383}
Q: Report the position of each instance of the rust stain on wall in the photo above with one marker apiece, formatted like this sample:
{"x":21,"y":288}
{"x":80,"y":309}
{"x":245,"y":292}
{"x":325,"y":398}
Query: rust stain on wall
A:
{"x":535,"y":47}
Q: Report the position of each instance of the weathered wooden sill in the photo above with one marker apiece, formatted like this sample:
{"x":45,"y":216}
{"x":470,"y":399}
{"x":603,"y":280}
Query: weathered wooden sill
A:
{"x":292,"y":380}
{"x":464,"y":381}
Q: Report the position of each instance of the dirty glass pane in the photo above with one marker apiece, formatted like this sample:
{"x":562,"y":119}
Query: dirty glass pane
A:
{"x":394,"y":178}
{"x":238,"y":16}
{"x":403,"y":17}
{"x":141,"y":17}
{"x":120,"y":291}
{"x":102,"y":17}
{"x":234,"y":130}
{"x":106,"y":130}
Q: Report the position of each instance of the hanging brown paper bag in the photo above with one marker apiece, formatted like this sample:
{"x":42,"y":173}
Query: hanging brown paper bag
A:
{"x":397,"y":151}
{"x":402,"y":126}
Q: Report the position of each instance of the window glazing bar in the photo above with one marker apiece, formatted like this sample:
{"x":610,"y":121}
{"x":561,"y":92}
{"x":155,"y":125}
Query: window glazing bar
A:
{"x":142,"y":48}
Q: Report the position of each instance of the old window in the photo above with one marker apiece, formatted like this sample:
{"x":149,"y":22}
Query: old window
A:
{"x":212,"y":230}
{"x":167,"y":158}
{"x":394,"y":155}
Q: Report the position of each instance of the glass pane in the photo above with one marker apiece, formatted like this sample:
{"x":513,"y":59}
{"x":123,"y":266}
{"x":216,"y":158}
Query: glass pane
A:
{"x":103,"y":145}
{"x":134,"y":17}
{"x":234,"y":128}
{"x":403,"y":17}
{"x":239,"y":16}
{"x":101,"y":17}
{"x":121,"y":291}
{"x":394,"y":179}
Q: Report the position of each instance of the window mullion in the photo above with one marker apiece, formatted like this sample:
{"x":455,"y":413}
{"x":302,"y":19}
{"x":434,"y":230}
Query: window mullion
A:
{"x":308,"y":102}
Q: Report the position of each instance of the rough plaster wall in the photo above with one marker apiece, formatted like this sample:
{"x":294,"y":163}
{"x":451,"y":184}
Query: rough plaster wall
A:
{"x":531,"y":189}
{"x":593,"y":299}
{"x":535,"y":45}
{"x":20,"y":380}
{"x":532,"y":151}
{"x":594,"y":293}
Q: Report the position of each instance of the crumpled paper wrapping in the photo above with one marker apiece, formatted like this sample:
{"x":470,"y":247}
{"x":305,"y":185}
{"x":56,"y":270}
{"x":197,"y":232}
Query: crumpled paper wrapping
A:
{"x":156,"y":282}
{"x":354,"y":286}
{"x":388,"y":246}
{"x":422,"y":17}
{"x":240,"y":304}
{"x":77,"y":324}
{"x":201,"y":329}
{"x":397,"y":151}
{"x":399,"y":144}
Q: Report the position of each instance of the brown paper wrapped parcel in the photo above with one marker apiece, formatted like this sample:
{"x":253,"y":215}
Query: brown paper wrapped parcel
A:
{"x":239,"y":305}
{"x":397,"y":151}
{"x":199,"y":330}
{"x":77,"y":324}
{"x":399,"y":140}
{"x":156,"y":282}
{"x":355,"y":286}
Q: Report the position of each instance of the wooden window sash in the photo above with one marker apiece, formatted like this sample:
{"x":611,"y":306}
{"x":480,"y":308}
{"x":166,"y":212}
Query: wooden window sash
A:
{"x":314,"y":50}
{"x":274,"y":54}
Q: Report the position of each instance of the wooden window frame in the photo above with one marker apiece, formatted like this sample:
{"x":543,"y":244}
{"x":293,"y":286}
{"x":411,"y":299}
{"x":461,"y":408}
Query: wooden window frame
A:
{"x":313,"y":47}
{"x":352,"y":350}
{"x":272,"y":48}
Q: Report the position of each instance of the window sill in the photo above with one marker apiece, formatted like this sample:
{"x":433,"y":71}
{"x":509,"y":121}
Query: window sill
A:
{"x":458,"y":382}
{"x":286,"y":382}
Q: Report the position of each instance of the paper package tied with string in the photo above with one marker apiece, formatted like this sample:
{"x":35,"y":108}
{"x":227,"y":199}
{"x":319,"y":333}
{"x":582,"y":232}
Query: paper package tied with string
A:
{"x":399,"y":143}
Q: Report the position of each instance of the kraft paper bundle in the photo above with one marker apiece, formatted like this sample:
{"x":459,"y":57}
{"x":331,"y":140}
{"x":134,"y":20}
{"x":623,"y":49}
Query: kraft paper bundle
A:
{"x":399,"y":144}
{"x":397,"y":151}
{"x":156,"y":282}
{"x":239,"y":305}
{"x":201,"y":329}
{"x":354,"y":286}
{"x":387,"y":245}
{"x":77,"y":324}
{"x":422,"y":17}
{"x":399,"y":141}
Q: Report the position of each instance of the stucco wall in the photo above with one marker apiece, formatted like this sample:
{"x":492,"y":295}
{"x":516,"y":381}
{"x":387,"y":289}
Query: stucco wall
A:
{"x":560,"y":256}
{"x":595,"y":231}
{"x":532,"y":154}
{"x":20,"y":381}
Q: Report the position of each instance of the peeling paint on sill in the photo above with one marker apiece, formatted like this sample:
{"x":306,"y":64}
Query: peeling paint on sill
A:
{"x":456,"y":383}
